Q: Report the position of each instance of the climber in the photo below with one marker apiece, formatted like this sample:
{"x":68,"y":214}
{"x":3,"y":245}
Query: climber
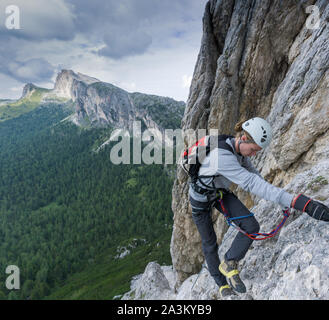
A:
{"x":228,"y":163}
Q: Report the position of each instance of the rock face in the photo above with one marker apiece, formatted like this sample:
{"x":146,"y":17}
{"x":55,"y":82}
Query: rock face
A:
{"x":70,"y":84}
{"x":28,"y":90}
{"x":293,"y":265}
{"x":152,"y":284}
{"x":102,"y":104}
{"x":264,"y":58}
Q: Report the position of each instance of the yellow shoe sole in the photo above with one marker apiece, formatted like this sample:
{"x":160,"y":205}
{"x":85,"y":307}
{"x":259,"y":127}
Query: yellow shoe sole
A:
{"x":234,"y":284}
{"x":228,"y":274}
{"x":224,"y":287}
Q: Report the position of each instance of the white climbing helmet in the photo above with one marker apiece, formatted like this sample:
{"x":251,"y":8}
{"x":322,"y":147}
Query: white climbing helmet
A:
{"x":260,"y":130}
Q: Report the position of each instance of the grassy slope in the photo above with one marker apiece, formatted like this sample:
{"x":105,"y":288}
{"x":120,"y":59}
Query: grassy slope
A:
{"x":107,"y":277}
{"x":19,"y":107}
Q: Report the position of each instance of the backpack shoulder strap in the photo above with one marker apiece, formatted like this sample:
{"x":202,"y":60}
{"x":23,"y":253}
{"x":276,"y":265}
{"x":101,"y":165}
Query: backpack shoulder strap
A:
{"x":222,"y":142}
{"x":221,"y":145}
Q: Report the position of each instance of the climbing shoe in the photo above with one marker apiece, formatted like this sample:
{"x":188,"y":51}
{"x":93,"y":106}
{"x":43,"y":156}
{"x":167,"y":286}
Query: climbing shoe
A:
{"x":230,"y":271}
{"x":226,"y":291}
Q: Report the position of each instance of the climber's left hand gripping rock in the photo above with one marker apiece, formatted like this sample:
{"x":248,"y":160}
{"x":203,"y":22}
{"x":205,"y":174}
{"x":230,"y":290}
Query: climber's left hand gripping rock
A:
{"x":313,"y":208}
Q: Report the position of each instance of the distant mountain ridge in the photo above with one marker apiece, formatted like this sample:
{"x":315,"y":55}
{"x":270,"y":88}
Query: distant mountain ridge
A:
{"x":100,"y":104}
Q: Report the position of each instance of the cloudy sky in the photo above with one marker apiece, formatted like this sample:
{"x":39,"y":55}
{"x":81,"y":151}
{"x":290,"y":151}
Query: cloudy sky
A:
{"x":149,"y":46}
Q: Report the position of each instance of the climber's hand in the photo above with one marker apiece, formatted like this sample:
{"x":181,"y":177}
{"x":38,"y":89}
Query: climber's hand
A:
{"x":313,"y":208}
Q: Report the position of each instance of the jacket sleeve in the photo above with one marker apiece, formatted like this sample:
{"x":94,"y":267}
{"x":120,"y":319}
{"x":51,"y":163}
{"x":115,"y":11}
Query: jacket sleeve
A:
{"x":250,"y":167}
{"x":230,"y":168}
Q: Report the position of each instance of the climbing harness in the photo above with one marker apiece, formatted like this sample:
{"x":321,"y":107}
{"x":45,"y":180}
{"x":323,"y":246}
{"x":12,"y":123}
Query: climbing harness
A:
{"x":253,"y":236}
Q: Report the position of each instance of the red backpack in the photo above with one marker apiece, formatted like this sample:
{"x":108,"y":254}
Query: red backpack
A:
{"x":193,"y":156}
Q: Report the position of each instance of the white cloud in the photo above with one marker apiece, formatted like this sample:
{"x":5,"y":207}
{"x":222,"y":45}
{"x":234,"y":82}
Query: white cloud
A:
{"x":168,"y":38}
{"x":16,"y":89}
{"x":30,"y":70}
{"x":54,"y":20}
{"x":6,"y":84}
{"x":122,"y":43}
{"x":128,"y":86}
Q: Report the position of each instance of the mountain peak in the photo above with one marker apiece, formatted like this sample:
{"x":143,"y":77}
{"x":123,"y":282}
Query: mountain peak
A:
{"x":65,"y":79}
{"x":77,"y":76}
{"x":28,"y":90}
{"x":99,"y":103}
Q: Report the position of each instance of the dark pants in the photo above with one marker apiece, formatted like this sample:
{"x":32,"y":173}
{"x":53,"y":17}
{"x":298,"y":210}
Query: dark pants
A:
{"x":201,"y":214}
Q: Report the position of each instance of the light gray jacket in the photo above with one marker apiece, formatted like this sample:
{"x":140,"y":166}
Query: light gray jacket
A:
{"x":239,"y":170}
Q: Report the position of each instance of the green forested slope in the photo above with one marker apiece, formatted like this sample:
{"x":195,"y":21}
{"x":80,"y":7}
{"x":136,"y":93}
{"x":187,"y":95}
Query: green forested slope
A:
{"x":63,"y":208}
{"x":13,"y":109}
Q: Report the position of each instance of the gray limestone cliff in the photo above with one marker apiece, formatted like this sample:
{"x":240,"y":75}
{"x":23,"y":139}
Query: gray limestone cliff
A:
{"x":266,"y":58}
{"x":28,"y":90}
{"x":102,"y":104}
